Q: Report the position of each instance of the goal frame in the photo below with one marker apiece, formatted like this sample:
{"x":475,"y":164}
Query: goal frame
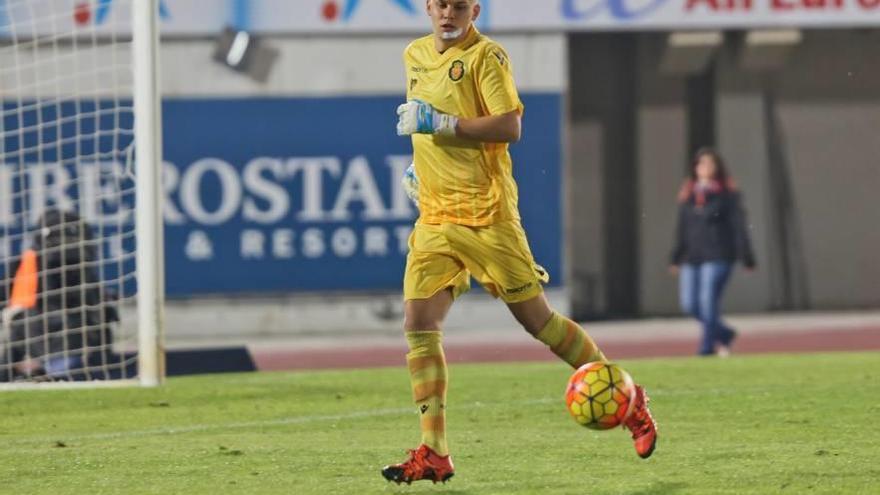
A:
{"x":150,"y":261}
{"x":149,"y":238}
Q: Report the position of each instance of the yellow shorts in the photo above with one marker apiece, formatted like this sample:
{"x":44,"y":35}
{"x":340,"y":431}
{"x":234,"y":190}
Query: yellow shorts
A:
{"x":447,"y":255}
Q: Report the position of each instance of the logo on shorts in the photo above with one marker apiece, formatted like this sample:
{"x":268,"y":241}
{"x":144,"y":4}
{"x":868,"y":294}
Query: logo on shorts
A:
{"x":517,"y":290}
{"x":456,"y":72}
{"x":424,"y":408}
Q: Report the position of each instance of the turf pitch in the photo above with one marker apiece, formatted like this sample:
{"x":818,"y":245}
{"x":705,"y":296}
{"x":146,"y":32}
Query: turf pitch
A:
{"x":768,"y":424}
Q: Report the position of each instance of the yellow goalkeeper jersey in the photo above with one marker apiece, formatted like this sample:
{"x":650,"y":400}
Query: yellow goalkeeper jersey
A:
{"x":461,"y":181}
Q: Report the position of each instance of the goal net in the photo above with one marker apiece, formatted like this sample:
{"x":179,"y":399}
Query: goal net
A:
{"x":77,"y":255}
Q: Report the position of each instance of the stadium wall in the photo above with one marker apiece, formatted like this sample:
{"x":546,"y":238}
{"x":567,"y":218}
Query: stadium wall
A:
{"x":611,"y":135}
{"x":797,"y":138}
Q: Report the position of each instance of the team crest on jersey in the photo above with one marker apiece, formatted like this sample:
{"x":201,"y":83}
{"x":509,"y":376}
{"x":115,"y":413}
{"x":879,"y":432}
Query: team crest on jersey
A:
{"x":412,"y":83}
{"x":456,"y":72}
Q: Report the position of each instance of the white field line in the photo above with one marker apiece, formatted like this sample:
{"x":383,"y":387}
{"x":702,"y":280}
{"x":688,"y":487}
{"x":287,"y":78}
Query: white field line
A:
{"x":296,"y":420}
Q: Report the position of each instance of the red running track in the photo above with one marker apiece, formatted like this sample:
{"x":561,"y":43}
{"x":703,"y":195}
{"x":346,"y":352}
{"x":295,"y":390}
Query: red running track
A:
{"x":855,"y":339}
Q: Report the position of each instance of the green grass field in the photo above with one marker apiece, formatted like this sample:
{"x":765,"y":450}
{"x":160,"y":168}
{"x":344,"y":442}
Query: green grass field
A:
{"x":780,"y":424}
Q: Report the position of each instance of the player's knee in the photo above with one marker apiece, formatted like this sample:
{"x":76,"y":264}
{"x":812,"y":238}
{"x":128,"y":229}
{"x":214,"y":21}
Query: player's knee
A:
{"x":414,"y":321}
{"x":427,"y":314}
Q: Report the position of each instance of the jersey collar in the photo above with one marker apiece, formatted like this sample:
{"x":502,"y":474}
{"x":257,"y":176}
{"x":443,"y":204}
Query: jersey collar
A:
{"x":473,"y":35}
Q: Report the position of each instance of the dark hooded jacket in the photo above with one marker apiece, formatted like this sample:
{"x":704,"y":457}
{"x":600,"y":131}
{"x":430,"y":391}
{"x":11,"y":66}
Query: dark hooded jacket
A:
{"x":69,"y":311}
{"x":711,"y":226}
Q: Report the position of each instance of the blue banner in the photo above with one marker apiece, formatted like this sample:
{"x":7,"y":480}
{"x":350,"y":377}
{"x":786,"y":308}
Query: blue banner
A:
{"x":261,"y":194}
{"x":277,"y":195}
{"x":69,"y":155}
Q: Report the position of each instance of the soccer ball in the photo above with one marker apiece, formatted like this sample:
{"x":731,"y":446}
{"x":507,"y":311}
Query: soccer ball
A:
{"x":600,"y":395}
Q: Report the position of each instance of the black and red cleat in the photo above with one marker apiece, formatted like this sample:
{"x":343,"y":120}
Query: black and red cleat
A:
{"x":642,"y":425}
{"x":423,"y":464}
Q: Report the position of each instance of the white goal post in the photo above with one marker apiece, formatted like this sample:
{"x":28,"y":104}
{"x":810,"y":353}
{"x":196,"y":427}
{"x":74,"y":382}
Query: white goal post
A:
{"x":81,"y":230}
{"x":148,"y":137}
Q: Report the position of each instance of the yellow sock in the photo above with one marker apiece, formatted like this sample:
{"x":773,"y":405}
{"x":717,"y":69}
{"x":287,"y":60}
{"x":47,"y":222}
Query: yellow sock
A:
{"x":428,"y":376}
{"x":569,"y":341}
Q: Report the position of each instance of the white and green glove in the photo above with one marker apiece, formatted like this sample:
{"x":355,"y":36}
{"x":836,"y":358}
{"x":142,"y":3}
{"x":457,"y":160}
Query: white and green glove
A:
{"x":418,"y":117}
{"x":411,"y":184}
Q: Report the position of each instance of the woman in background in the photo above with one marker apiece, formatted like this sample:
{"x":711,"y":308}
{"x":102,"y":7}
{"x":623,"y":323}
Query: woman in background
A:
{"x":711,"y":237}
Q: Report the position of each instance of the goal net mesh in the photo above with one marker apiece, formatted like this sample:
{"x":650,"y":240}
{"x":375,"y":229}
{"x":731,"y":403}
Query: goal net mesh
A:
{"x":67,"y":191}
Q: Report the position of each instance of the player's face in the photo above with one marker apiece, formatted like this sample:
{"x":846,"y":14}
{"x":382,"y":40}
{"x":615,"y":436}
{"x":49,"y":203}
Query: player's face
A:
{"x":706,"y":168}
{"x":452,"y":18}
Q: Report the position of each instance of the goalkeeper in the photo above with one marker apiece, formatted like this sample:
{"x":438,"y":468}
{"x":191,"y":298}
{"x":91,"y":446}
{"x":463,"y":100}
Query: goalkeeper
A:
{"x":462,"y":111}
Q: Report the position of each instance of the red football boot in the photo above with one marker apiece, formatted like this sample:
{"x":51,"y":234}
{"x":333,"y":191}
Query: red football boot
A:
{"x":642,"y":426}
{"x":423,"y":464}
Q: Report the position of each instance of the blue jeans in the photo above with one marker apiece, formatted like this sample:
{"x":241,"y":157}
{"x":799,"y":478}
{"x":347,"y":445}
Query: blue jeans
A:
{"x":700,"y":289}
{"x":61,"y":366}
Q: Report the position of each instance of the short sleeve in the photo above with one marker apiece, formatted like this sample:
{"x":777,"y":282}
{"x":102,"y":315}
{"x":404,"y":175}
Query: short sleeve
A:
{"x":495,"y":79}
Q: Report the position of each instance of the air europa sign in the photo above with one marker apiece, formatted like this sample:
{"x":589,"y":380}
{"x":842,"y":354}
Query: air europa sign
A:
{"x":622,"y":10}
{"x":208,"y":17}
{"x":662,"y":14}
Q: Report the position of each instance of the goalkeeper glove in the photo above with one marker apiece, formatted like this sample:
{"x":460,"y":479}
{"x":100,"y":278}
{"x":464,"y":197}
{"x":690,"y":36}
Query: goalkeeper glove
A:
{"x":411,"y":184}
{"x":418,"y":117}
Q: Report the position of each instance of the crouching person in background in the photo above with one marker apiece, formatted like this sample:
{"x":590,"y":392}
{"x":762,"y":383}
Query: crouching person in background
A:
{"x":57,"y":322}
